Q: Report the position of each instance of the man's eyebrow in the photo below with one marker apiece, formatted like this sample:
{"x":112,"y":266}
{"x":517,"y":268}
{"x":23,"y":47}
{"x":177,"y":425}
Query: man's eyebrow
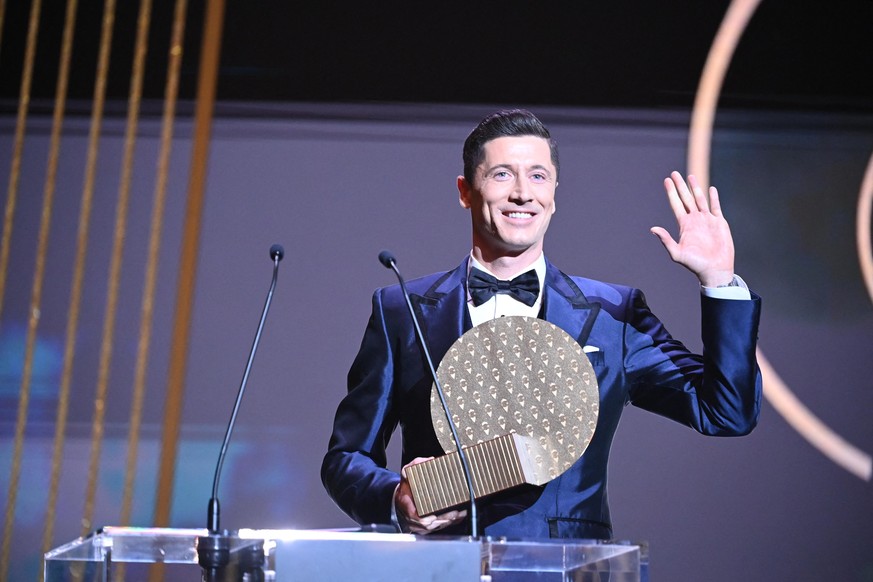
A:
{"x":490,"y":169}
{"x":542,"y":169}
{"x":511,"y":167}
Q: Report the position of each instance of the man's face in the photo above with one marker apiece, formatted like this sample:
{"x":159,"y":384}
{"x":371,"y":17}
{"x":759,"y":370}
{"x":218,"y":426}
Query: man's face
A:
{"x":512,"y":198}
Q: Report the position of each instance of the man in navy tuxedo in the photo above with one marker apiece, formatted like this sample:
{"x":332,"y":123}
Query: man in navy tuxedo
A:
{"x":510,"y":174}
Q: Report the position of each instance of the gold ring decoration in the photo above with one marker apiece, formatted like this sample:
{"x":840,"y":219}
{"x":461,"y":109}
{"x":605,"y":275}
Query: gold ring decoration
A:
{"x":865,"y":210}
{"x":524,"y":399}
{"x":777,"y":392}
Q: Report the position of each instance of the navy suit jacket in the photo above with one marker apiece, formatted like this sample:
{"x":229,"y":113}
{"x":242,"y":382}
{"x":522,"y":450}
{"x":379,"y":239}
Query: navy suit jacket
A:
{"x":638,"y":362}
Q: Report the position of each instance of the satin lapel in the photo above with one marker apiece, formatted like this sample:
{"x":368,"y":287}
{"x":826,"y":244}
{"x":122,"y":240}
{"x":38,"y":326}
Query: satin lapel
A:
{"x":442,"y":311}
{"x":566,"y":306}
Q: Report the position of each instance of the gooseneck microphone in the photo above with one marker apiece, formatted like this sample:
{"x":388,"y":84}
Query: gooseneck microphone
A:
{"x":213,"y":550}
{"x":390,"y":262}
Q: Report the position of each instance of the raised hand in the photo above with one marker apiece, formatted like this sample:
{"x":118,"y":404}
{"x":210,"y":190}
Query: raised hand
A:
{"x":705,"y":246}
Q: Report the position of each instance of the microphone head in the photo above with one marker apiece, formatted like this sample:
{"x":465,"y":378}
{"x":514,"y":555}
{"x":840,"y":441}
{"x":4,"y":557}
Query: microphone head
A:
{"x":387,"y":258}
{"x":277,"y":252}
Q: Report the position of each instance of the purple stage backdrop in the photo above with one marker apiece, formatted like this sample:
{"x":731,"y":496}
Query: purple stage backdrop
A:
{"x":335,"y":185}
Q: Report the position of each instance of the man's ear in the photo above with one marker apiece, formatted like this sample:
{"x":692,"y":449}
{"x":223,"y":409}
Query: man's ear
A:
{"x":554,"y":205}
{"x":463,"y":192}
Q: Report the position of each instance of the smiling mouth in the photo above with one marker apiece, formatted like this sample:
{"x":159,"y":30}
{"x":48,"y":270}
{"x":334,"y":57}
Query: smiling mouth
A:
{"x":517,"y":214}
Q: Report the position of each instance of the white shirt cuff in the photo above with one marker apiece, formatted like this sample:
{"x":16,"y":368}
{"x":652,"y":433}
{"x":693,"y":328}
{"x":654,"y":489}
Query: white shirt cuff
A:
{"x":736,"y":290}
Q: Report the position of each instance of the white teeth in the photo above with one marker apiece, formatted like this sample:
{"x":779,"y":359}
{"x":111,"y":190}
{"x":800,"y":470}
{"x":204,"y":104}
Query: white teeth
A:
{"x":519,"y":215}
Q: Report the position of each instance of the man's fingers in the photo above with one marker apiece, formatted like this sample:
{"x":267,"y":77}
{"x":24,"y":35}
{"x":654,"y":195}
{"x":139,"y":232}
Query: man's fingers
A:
{"x":673,"y":197}
{"x":446,"y":519}
{"x":451,"y":515}
{"x":700,"y":199}
{"x":683,"y":192}
{"x":414,"y":461}
{"x":671,"y":245}
{"x":406,"y":505}
{"x":714,"y":202}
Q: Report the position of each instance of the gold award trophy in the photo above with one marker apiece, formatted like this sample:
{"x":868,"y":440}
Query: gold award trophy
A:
{"x":524,"y":398}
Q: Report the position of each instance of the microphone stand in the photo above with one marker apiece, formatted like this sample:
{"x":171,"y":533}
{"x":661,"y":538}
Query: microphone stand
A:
{"x":213,"y":550}
{"x":389,"y":261}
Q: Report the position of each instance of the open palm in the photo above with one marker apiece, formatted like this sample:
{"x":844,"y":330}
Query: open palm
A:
{"x":705,"y":245}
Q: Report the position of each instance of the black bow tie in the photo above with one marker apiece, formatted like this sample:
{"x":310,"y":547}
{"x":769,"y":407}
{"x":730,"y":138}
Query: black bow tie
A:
{"x":482,"y":287}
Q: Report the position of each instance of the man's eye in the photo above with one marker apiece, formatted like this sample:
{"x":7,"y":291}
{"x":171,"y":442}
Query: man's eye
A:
{"x":539,"y":177}
{"x":501,"y":175}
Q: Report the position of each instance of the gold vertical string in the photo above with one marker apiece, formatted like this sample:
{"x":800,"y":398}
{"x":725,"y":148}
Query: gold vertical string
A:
{"x":151,"y":265}
{"x":18,"y":144}
{"x":63,"y":396}
{"x":97,"y":424}
{"x":208,"y":74}
{"x":12,"y":193}
{"x":148,"y":294}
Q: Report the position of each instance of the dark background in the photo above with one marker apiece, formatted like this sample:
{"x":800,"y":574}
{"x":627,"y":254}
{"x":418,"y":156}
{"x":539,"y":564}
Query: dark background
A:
{"x":793,"y":56}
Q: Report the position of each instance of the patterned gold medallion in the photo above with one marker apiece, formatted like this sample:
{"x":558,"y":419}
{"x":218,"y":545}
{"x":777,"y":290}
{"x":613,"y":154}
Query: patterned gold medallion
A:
{"x":524,"y":376}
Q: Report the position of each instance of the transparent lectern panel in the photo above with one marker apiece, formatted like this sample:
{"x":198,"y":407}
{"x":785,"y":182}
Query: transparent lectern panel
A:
{"x":563,"y":560}
{"x":130,"y":554}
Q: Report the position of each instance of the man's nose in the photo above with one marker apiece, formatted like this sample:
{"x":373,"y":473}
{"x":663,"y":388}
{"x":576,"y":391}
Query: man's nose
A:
{"x":521,"y":191}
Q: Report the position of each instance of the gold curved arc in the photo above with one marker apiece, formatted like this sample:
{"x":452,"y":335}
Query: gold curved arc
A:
{"x":865,"y":210}
{"x":711,"y":79}
{"x":810,"y":427}
{"x":776,"y":391}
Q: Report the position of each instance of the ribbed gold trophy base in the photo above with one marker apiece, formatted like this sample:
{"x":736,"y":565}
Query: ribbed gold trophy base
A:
{"x":496,"y":464}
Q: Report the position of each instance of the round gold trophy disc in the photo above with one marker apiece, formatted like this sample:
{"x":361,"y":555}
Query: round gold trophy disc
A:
{"x":519,"y":375}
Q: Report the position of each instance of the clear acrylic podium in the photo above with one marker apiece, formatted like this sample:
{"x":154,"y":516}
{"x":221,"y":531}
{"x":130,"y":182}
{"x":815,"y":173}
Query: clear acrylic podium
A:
{"x":120,"y":553}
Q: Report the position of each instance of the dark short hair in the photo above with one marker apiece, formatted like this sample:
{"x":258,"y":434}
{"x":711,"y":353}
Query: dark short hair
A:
{"x":504,"y":123}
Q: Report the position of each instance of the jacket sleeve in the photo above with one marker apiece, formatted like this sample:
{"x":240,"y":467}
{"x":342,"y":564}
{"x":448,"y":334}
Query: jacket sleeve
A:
{"x":353,"y":470}
{"x":718,"y":393}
